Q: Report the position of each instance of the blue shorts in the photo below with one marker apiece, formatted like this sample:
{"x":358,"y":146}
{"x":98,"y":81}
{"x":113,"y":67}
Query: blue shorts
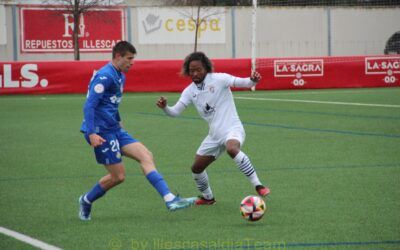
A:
{"x":110,"y":151}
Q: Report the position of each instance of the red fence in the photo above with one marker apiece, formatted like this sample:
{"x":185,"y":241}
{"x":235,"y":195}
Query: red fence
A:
{"x":163,"y":75}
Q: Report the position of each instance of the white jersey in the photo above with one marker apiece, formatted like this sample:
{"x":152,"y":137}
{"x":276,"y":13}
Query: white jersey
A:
{"x":214,"y":102}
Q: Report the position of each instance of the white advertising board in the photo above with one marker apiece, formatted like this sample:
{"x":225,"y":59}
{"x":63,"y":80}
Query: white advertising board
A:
{"x":178,"y":26}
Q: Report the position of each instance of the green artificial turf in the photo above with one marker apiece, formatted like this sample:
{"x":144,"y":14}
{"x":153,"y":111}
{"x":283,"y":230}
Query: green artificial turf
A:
{"x":333,"y":169}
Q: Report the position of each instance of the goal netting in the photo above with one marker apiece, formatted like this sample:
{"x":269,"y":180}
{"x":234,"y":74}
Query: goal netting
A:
{"x":342,"y":31}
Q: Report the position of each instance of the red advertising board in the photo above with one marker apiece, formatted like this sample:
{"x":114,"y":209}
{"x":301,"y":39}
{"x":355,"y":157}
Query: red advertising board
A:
{"x":329,"y":72}
{"x":163,"y":75}
{"x":47,"y":30}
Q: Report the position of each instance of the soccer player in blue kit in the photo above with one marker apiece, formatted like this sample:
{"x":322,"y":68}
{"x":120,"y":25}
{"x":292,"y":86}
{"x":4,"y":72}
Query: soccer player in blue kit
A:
{"x":103,"y":131}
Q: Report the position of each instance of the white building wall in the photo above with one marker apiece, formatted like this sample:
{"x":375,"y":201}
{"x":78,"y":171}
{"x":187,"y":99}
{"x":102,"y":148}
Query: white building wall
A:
{"x":6,"y":46}
{"x":363,"y":31}
{"x":282,"y":32}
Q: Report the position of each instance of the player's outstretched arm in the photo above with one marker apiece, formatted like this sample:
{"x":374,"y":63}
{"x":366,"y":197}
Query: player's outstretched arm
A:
{"x":248,"y":82}
{"x":255,"y":76}
{"x":162,"y":102}
{"x":173,"y":111}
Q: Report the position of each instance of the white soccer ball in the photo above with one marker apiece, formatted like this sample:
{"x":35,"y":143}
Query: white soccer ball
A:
{"x":252,"y":208}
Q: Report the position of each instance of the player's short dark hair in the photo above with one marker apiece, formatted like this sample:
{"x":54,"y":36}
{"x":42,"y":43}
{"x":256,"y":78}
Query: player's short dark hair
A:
{"x":122,"y":47}
{"x":196,"y":56}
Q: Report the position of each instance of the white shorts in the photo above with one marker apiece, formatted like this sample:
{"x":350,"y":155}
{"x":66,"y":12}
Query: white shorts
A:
{"x":216,"y":146}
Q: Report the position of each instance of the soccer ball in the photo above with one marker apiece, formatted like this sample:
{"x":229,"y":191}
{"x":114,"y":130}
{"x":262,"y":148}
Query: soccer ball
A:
{"x":252,"y":208}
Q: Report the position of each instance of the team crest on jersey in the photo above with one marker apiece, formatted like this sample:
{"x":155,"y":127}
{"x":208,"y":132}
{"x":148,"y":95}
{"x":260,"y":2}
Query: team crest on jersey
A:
{"x":99,"y":88}
{"x":211,"y":89}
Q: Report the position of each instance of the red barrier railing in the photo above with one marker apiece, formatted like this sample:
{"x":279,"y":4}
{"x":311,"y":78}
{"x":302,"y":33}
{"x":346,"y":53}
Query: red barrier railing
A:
{"x":164,"y":75}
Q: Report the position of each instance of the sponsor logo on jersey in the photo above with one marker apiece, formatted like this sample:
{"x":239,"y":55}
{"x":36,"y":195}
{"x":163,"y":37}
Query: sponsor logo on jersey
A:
{"x":388,"y":66}
{"x":208,"y":109}
{"x":299,"y":69}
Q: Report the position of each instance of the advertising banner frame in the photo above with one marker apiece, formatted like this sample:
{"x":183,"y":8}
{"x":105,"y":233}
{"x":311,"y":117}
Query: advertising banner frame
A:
{"x":99,"y":44}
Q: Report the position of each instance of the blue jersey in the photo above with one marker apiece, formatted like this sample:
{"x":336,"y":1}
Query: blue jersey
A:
{"x":104,"y":96}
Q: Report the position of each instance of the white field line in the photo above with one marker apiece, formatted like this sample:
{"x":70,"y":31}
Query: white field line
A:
{"x":315,"y":92}
{"x":27,"y":239}
{"x":55,"y":97}
{"x":320,"y":102}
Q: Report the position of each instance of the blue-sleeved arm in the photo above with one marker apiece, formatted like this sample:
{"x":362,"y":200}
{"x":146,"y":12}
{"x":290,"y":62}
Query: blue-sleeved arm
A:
{"x":96,"y":91}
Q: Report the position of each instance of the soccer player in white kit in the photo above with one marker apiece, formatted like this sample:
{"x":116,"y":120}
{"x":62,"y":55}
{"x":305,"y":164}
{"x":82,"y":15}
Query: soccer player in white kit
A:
{"x":210,"y":93}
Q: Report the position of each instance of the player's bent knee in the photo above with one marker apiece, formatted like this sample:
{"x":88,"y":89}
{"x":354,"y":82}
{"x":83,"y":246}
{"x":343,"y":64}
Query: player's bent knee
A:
{"x":118,"y":179}
{"x":197,"y":169}
{"x":147,"y":160}
{"x":146,"y":157}
{"x":150,"y":155}
{"x":232,"y":151}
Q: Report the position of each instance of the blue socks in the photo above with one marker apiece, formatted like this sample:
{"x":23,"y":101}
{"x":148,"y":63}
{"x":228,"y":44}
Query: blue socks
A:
{"x":158,"y":183}
{"x":153,"y":177}
{"x":96,"y":192}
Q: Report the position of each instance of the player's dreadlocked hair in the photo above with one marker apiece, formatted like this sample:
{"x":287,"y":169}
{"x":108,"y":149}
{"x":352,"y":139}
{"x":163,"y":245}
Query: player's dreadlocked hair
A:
{"x":122,"y":47}
{"x":196,"y":56}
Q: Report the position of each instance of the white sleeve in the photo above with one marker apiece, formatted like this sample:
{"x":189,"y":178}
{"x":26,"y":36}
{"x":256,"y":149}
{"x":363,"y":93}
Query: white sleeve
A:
{"x":175,"y":110}
{"x":186,"y":96}
{"x":243,"y":83}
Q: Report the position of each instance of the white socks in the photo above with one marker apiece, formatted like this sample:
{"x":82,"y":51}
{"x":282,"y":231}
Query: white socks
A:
{"x":202,"y":185}
{"x":169,"y":197}
{"x":244,"y":164}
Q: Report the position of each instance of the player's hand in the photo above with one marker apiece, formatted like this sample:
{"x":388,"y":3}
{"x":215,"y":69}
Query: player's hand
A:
{"x":255,"y":76}
{"x":162,"y":102}
{"x":96,"y":140}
